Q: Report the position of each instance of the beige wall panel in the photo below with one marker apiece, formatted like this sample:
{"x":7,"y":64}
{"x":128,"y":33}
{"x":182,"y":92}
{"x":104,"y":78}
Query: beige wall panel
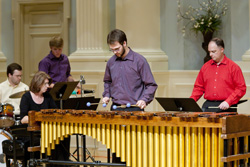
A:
{"x":78,"y":66}
{"x":246,"y":56}
{"x":170,"y":84}
{"x":41,"y":22}
{"x":183,"y":89}
{"x":2,"y":56}
{"x":3,"y":75}
{"x":35,"y":22}
{"x":150,"y":25}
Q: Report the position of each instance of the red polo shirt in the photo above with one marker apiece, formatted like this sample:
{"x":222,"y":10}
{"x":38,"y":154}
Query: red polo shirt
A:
{"x":223,"y":82}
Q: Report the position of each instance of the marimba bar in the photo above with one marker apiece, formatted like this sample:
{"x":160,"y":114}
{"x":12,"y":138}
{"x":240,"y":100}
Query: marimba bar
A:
{"x":154,"y":139}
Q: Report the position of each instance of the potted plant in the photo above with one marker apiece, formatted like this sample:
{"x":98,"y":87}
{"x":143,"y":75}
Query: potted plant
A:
{"x":206,"y":19}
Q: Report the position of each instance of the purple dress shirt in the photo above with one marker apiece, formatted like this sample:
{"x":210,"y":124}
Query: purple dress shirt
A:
{"x":57,"y":68}
{"x":129,"y":80}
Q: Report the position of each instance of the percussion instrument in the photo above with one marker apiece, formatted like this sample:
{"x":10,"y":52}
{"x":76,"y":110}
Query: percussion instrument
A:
{"x":88,"y":104}
{"x":18,"y":94}
{"x":6,"y":115}
{"x":4,"y":135}
{"x":128,"y":105}
{"x":153,"y":139}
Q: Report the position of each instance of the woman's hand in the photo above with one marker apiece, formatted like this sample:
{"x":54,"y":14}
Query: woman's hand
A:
{"x":25,"y":120}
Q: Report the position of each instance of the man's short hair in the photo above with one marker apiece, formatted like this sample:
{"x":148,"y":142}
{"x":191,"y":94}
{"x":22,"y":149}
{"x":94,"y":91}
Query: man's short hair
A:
{"x":218,"y":41}
{"x":116,"y":35}
{"x":12,"y":67}
{"x":56,"y":41}
{"x":38,"y":81}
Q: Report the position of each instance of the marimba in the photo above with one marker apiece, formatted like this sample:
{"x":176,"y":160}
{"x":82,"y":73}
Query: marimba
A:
{"x":153,"y":139}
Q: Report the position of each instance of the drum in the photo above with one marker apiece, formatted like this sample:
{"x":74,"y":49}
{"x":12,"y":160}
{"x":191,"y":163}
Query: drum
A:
{"x":6,"y":115}
{"x":4,"y":135}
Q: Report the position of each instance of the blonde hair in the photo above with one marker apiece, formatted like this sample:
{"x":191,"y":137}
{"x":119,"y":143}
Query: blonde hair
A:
{"x":56,"y":41}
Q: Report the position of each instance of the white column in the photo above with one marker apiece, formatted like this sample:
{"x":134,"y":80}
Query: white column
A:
{"x":2,"y":57}
{"x":246,"y":56}
{"x":140,"y":20}
{"x":92,"y":27}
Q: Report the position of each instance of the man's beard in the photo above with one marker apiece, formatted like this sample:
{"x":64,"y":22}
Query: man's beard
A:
{"x":122,"y":52}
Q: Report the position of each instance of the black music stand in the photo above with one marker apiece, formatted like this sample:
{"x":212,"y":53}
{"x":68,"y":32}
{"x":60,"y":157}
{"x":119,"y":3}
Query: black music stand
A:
{"x":179,"y":104}
{"x":79,"y":103}
{"x":62,"y":91}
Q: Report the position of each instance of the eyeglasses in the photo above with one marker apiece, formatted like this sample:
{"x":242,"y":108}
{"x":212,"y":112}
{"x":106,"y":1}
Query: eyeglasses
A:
{"x":46,"y":83}
{"x":18,"y":76}
{"x":116,"y":49}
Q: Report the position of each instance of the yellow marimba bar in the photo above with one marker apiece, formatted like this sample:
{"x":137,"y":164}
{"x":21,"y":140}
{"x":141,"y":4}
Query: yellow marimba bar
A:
{"x":142,"y":141}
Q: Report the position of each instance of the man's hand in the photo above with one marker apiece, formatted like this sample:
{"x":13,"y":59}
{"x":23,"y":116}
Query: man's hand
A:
{"x":105,"y":100}
{"x":224,"y":105}
{"x":141,"y":104}
{"x":71,"y":79}
{"x":51,"y":85}
{"x":78,"y":86}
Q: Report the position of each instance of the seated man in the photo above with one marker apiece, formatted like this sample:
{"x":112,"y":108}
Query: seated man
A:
{"x":11,"y":86}
{"x":220,"y":79}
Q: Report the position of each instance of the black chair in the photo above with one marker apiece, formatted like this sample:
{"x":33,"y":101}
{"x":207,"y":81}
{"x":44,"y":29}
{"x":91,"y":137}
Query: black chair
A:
{"x":16,"y":149}
{"x":20,"y":148}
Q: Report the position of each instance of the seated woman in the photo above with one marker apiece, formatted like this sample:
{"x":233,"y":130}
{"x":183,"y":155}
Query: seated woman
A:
{"x":36,"y":99}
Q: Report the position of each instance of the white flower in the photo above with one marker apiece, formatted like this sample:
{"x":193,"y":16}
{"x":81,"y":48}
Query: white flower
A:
{"x":207,"y":14}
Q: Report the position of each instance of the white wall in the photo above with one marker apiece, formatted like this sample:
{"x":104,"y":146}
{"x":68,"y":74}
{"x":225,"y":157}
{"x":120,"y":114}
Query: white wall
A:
{"x":186,"y":53}
{"x":240,"y":28}
{"x":183,"y":53}
{"x":7,"y":31}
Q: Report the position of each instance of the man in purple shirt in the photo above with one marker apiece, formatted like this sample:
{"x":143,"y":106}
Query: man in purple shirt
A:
{"x":57,"y":66}
{"x":55,"y":63}
{"x":128,"y":78}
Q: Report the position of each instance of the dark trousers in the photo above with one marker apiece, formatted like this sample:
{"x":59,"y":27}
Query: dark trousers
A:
{"x":208,"y":103}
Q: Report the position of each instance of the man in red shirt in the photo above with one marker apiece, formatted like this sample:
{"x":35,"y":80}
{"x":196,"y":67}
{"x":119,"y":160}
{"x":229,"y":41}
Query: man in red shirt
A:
{"x":220,"y":80}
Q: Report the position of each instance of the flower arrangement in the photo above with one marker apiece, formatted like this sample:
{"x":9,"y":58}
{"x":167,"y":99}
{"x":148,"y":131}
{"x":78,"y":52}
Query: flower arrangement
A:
{"x":206,"y":18}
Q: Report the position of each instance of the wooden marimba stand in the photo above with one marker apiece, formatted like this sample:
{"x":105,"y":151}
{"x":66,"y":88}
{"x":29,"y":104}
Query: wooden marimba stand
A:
{"x":153,"y":138}
{"x":35,"y":126}
{"x":61,"y":92}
